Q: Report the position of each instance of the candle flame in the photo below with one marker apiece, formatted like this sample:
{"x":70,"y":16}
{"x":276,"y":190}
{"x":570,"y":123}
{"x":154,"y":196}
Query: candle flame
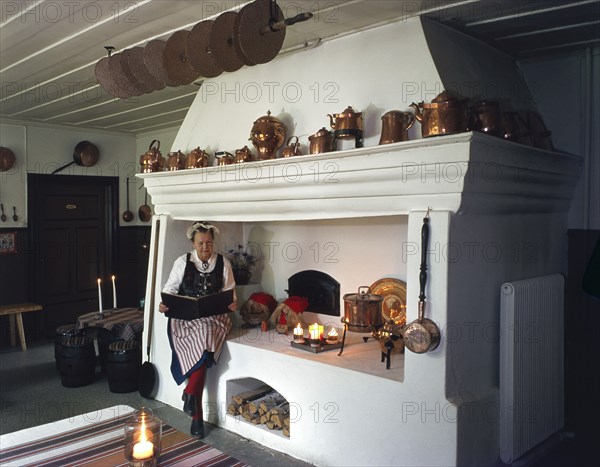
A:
{"x":98,"y":281}
{"x":113,"y":277}
{"x":333,"y":332}
{"x":143,"y":436}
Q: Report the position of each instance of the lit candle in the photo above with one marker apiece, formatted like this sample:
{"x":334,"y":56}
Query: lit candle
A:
{"x":313,"y":330}
{"x":321,"y":331}
{"x":298,"y":331}
{"x":143,"y":449}
{"x":99,"y":297}
{"x":114,"y":293}
{"x":332,"y":336}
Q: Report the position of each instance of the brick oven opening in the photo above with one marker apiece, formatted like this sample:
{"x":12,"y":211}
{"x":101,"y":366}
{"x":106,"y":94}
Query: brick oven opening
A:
{"x":259,"y":404}
{"x":321,"y":290}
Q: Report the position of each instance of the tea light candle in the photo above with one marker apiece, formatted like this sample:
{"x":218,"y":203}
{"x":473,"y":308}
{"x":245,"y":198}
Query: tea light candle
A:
{"x":114,"y":293}
{"x":332,"y":336}
{"x":99,"y":297}
{"x":143,"y":450}
{"x":298,"y":332}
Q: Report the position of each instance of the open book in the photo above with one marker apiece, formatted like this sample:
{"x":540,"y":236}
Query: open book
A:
{"x":188,"y":308}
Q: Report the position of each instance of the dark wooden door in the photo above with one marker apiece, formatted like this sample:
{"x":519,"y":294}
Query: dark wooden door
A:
{"x":72,"y":222}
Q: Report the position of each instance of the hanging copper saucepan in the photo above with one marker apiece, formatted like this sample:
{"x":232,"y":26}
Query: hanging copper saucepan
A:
{"x":86,"y":154}
{"x":127,"y":215}
{"x":145,"y":212}
{"x":422,"y":335}
{"x":7,"y":159}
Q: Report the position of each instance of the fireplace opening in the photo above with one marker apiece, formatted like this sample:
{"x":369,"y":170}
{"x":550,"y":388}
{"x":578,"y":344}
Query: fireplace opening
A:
{"x":252,"y":401}
{"x":321,"y":290}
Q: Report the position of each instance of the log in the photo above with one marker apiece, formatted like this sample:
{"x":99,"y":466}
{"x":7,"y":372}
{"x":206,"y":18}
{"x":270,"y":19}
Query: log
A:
{"x":271,"y":426}
{"x":272,"y":401}
{"x":286,"y":432}
{"x":232,"y":409}
{"x":247,"y":396}
{"x":265,"y":418}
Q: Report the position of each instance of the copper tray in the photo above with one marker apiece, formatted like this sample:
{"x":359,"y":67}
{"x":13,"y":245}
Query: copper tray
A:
{"x":393,"y":307}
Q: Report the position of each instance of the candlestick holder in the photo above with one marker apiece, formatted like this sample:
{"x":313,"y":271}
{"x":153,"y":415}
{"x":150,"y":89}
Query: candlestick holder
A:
{"x":99,"y":315}
{"x":143,"y":437}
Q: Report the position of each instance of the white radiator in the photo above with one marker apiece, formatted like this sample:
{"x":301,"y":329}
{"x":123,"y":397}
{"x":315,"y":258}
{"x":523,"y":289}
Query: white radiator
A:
{"x":531,"y":363}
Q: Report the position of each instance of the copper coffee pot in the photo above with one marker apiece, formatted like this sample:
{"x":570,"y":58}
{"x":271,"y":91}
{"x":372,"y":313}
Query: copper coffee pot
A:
{"x":291,"y":149}
{"x":347,"y":120}
{"x":267,"y":136}
{"x":224,"y":158}
{"x":445,"y":115}
{"x":196,"y":159}
{"x":395,"y":125}
{"x":322,"y":141}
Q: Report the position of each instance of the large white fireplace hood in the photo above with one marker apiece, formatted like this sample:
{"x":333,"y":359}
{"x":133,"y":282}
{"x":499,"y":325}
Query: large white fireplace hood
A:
{"x":485,"y":195}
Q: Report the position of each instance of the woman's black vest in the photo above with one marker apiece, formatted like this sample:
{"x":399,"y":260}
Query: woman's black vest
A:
{"x":196,"y":283}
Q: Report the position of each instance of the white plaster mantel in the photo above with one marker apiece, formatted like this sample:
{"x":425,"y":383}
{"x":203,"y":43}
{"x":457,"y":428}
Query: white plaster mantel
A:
{"x":465,"y":173}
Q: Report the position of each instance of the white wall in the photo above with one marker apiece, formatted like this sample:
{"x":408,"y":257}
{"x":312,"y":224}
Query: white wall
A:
{"x":566,"y":90}
{"x":41,"y":149}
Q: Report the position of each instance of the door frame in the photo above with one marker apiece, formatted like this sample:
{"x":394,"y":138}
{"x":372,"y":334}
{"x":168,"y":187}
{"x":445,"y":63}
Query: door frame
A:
{"x":35,"y":184}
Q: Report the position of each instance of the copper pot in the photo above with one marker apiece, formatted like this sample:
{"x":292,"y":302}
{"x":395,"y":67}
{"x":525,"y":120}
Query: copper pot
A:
{"x":322,"y":141}
{"x":362,"y":311}
{"x":347,"y":120}
{"x":243,"y":155}
{"x":395,"y":125}
{"x":196,"y":159}
{"x":224,"y":158}
{"x":7,"y":159}
{"x":152,"y":160}
{"x":445,"y":115}
{"x":175,"y":161}
{"x":267,"y":136}
{"x":292,"y":149}
{"x":486,"y":117}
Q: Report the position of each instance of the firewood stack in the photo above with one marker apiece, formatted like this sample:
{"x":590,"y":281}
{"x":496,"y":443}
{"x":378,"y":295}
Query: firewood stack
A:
{"x":262,"y":406}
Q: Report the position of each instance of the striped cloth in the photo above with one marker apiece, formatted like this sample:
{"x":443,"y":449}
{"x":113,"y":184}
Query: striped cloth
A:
{"x":191,"y":338}
{"x":94,"y":440}
{"x":124,"y":323}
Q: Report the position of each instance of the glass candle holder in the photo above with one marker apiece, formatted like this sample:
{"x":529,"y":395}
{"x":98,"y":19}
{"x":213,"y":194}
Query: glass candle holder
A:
{"x":143,"y":437}
{"x":314,"y":335}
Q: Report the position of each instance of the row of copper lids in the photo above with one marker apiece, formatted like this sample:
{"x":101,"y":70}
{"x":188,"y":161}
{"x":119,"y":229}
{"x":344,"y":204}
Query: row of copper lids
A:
{"x":211,"y":47}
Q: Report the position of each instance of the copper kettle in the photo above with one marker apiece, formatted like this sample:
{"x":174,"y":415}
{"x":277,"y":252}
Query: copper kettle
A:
{"x":347,"y":120}
{"x":486,"y":117}
{"x":152,"y":160}
{"x":267,"y":136}
{"x":196,"y":159}
{"x":175,"y":161}
{"x":445,"y":115}
{"x":243,"y":155}
{"x":291,"y":149}
{"x":322,"y":141}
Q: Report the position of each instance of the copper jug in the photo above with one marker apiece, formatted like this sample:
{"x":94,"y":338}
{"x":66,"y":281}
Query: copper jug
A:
{"x":196,"y":159}
{"x":395,"y":125}
{"x":445,"y":115}
{"x":175,"y":161}
{"x":322,"y":141}
{"x":267,"y":136}
{"x":347,"y":120}
{"x":486,"y":117}
{"x":243,"y":155}
{"x":515,"y":128}
{"x":152,"y":160}
{"x":292,"y":149}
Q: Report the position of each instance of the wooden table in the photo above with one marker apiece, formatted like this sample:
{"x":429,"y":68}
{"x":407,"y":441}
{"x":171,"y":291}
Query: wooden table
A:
{"x":96,"y":439}
{"x":124,"y":323}
{"x":15,"y":314}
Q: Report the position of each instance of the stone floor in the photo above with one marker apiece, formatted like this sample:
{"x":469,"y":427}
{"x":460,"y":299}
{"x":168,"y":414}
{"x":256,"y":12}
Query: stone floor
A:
{"x":31,"y":394}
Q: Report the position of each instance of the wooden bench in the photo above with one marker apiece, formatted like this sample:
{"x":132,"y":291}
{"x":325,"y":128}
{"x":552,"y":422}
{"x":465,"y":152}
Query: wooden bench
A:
{"x":15,"y":314}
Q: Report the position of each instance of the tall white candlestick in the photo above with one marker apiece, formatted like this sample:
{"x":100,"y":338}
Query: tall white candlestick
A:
{"x":114,"y":293}
{"x":99,"y":297}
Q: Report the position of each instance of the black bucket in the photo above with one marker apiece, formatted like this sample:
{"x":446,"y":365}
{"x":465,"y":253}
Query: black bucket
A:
{"x":123,"y":363}
{"x":76,"y":361}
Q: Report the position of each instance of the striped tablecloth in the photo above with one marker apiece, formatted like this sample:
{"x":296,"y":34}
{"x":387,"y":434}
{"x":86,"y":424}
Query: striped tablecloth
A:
{"x":96,"y":439}
{"x":124,"y":323}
